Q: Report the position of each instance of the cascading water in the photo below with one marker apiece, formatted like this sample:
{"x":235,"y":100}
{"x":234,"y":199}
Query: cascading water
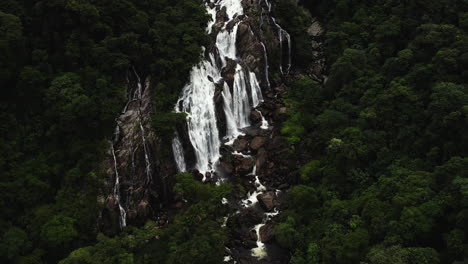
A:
{"x":197,"y":102}
{"x":197,"y":96}
{"x":178,"y":150}
{"x":123,"y":213}
{"x":282,"y":35}
{"x":239,"y":100}
{"x":138,"y":96}
{"x":132,"y":108}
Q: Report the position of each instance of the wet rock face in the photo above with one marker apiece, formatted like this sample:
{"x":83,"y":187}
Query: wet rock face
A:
{"x":244,"y":220}
{"x":267,"y":201}
{"x":141,"y":188}
{"x":257,"y":142}
{"x":243,"y":165}
{"x":240,"y":144}
{"x":267,"y":233}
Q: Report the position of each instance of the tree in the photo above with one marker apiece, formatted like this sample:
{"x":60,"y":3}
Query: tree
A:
{"x":14,"y":243}
{"x":59,"y":232}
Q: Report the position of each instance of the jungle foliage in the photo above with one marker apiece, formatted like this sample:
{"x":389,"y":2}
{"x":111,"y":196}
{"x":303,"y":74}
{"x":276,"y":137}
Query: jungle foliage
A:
{"x":383,"y":140}
{"x":63,"y":67}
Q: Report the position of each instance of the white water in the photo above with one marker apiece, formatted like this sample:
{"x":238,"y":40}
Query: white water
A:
{"x":259,"y":251}
{"x":197,"y":96}
{"x":197,"y":102}
{"x":226,"y":43}
{"x":179,"y":153}
{"x":132,"y":95}
{"x":238,"y":101}
{"x":265,"y":56}
{"x":282,"y":35}
{"x":146,"y":150}
{"x":138,"y":95}
{"x":123,"y":214}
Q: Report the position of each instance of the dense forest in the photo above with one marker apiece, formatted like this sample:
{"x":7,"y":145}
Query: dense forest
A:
{"x":63,"y":67}
{"x":380,"y":144}
{"x":384,"y":138}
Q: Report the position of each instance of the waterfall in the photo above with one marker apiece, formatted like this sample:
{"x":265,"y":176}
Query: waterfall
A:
{"x":146,"y":150}
{"x":231,"y":123}
{"x":256,"y":91}
{"x":226,"y":43}
{"x":132,"y":112}
{"x":197,"y":96}
{"x":239,"y":100}
{"x":123,"y":213}
{"x":197,"y":102}
{"x":265,"y":58}
{"x":137,"y":95}
{"x":179,"y":153}
{"x":282,"y":35}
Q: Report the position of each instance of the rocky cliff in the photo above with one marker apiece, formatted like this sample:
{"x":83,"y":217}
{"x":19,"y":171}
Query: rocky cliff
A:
{"x":136,"y":185}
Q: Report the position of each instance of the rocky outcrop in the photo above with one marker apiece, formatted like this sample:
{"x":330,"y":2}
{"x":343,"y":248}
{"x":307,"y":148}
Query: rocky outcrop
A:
{"x":267,"y":233}
{"x":136,"y":178}
{"x":267,"y":201}
{"x":318,"y":67}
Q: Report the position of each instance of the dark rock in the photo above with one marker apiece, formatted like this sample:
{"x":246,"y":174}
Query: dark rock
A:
{"x":262,"y":156}
{"x":249,"y":244}
{"x":197,"y":175}
{"x":255,"y":116}
{"x":221,"y":17}
{"x":280,"y":89}
{"x":226,"y":167}
{"x":257,"y":142}
{"x":283,"y":186}
{"x":208,"y":176}
{"x":229,"y":71}
{"x":111,"y":203}
{"x":131,"y":215}
{"x":243,"y":165}
{"x":278,"y":142}
{"x":252,"y":131}
{"x":253,"y":235}
{"x":240,"y":144}
{"x":267,"y":201}
{"x":281,"y":113}
{"x":245,"y":219}
{"x":144,"y":209}
{"x":267,"y":233}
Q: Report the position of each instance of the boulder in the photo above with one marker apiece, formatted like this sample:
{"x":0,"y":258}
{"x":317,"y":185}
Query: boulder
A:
{"x":277,"y":143}
{"x":244,"y":165}
{"x":281,"y":112}
{"x":143,"y":209}
{"x":267,"y":233}
{"x":257,"y":142}
{"x":240,"y":144}
{"x":267,"y":201}
{"x":262,"y":156}
{"x":112,"y":203}
{"x":225,"y":167}
{"x":246,"y":218}
{"x":255,"y":116}
{"x":253,"y":235}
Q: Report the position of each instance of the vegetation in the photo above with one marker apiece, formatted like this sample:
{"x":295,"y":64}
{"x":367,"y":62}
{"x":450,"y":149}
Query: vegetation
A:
{"x":384,"y":143}
{"x":194,"y":236}
{"x":63,"y":67}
